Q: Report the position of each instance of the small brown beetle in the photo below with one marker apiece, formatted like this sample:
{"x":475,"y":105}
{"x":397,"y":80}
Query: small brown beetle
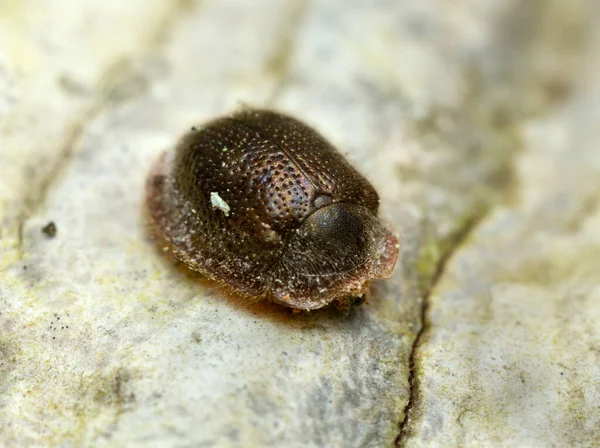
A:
{"x":265,"y":205}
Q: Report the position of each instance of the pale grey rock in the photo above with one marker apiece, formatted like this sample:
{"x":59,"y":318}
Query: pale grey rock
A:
{"x":510,"y":355}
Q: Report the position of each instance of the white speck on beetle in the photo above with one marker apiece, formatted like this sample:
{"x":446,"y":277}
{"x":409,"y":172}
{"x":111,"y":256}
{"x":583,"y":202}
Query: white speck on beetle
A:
{"x":217,"y":202}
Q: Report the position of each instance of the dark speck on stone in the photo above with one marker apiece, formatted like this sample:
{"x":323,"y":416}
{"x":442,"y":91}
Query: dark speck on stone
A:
{"x":49,"y":229}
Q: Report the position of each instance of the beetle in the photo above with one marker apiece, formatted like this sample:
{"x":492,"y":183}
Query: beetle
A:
{"x":263,"y":204}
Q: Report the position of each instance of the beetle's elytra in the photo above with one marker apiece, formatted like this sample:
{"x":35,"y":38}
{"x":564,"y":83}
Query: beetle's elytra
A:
{"x":261,"y":202}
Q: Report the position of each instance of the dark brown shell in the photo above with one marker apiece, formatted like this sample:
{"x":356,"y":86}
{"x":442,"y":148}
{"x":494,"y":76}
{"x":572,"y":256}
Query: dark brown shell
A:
{"x":263,"y":203}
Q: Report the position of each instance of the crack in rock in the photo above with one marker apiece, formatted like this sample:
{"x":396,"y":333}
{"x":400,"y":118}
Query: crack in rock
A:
{"x":455,"y":241}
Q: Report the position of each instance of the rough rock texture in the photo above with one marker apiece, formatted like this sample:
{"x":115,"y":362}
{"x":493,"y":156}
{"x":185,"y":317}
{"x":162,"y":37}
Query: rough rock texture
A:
{"x":477,"y":121}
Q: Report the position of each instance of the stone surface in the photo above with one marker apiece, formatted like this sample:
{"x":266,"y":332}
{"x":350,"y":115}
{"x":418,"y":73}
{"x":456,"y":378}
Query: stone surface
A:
{"x":510,"y":354}
{"x":475,"y":121}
